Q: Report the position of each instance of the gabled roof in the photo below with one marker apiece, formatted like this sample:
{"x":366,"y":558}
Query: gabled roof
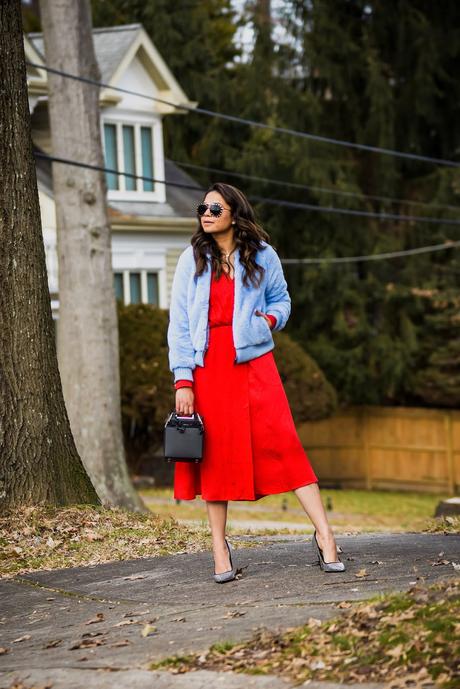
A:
{"x":115,"y":48}
{"x":110,"y":45}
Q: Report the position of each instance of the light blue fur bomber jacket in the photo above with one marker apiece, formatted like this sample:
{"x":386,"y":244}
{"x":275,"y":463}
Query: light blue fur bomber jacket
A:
{"x":188,"y":329}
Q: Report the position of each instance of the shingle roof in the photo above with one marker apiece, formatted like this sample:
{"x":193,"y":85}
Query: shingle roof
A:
{"x":110,"y":45}
{"x":179,"y":202}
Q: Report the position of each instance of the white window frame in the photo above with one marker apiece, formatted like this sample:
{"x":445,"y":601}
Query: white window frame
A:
{"x":122,"y":194}
{"x":144,"y":291}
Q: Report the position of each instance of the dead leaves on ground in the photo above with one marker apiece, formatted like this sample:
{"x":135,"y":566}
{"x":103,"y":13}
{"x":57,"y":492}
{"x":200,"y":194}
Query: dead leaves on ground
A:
{"x":404,"y":640}
{"x":43,"y":537}
{"x":449,"y":524}
{"x":441,"y":560}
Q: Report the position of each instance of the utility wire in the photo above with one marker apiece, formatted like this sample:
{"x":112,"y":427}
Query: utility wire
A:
{"x":263,"y":199}
{"x":375,"y":257}
{"x":254,"y":123}
{"x":101,"y":168}
{"x":349,"y":211}
{"x":323,"y":190}
{"x":345,"y":259}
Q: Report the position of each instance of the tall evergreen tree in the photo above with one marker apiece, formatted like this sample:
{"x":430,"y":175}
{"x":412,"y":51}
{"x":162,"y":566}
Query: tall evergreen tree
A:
{"x":361,"y":76}
{"x":371,"y":72}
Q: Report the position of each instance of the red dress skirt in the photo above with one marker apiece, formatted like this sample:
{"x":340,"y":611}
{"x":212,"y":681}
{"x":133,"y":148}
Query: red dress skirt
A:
{"x":251,"y":447}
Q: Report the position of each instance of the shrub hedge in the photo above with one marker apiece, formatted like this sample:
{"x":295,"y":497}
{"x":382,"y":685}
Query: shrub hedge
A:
{"x":147,"y":390}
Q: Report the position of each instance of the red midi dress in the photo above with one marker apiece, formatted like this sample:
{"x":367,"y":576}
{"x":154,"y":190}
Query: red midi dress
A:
{"x":251,"y":447}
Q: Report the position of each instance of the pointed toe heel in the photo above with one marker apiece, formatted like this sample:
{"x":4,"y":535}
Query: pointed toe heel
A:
{"x":326,"y":566}
{"x":230,"y":574}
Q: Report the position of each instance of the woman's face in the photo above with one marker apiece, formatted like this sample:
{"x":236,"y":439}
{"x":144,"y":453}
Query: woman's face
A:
{"x":212,"y":224}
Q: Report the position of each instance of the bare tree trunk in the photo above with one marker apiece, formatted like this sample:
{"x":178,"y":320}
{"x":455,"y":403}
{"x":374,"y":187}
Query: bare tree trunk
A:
{"x":38,"y":458}
{"x":87,"y":327}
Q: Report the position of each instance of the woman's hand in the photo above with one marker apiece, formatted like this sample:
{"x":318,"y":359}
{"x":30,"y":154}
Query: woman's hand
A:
{"x":184,"y":401}
{"x":260,"y":313}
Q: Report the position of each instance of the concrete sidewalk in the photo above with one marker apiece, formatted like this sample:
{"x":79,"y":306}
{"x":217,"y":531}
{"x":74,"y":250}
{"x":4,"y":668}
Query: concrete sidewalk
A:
{"x":58,"y":623}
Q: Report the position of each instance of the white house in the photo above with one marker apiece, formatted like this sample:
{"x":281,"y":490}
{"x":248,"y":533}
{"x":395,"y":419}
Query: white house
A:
{"x":151,"y":223}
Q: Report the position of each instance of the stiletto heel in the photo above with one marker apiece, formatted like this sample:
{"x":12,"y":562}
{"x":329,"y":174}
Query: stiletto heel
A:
{"x":231,"y":573}
{"x":326,"y":566}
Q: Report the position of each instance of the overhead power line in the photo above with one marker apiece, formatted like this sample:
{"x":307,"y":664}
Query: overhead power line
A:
{"x":322,"y":190}
{"x":375,"y":257}
{"x":356,"y":213}
{"x":254,"y":123}
{"x":101,"y":168}
{"x":265,"y":200}
{"x":345,"y":259}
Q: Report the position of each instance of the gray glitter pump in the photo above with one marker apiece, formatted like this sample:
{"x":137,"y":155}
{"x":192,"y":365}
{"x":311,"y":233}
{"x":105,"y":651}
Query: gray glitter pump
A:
{"x":231,"y":573}
{"x":326,"y":566}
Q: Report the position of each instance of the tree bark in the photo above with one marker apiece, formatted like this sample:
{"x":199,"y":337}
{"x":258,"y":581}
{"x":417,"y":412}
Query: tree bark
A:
{"x":87,"y":326}
{"x":38,"y":458}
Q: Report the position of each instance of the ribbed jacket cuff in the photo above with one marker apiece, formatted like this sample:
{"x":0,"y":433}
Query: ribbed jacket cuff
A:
{"x":277,"y":315}
{"x":183,"y":374}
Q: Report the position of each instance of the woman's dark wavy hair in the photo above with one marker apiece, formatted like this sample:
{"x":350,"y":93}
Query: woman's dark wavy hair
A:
{"x":248,"y":237}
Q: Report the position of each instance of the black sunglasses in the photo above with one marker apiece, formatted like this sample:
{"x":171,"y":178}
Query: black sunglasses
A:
{"x":216,"y":209}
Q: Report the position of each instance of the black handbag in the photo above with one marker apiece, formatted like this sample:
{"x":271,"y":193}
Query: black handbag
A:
{"x":183,"y":438}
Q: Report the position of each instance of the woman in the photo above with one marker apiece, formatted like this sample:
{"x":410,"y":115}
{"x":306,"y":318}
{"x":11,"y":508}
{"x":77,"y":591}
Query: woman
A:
{"x":228,"y":295}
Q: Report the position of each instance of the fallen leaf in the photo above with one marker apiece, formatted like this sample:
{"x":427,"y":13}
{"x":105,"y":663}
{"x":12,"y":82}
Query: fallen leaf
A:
{"x":99,"y":618}
{"x":233,"y":613}
{"x":3,"y":651}
{"x":51,"y":543}
{"x":343,"y":604}
{"x":53,"y":644}
{"x":87,"y":643}
{"x":147,"y":630}
{"x":395,"y":652}
{"x":436,"y":563}
{"x":362,"y":573}
{"x":93,"y":536}
{"x":21,"y":638}
{"x":124,"y":623}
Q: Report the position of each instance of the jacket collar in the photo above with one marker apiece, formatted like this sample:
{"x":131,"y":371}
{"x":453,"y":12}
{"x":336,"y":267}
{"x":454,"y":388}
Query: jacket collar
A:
{"x":238,"y":272}
{"x":237,"y":253}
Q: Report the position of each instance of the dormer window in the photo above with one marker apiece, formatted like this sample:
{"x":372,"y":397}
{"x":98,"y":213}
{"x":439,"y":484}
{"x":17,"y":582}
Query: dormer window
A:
{"x":133,"y":147}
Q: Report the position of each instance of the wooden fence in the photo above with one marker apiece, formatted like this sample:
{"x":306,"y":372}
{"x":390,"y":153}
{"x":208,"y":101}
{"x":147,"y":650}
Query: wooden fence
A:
{"x":389,"y":448}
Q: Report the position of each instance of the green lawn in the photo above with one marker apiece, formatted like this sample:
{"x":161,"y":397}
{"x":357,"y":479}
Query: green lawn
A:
{"x":356,"y":510}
